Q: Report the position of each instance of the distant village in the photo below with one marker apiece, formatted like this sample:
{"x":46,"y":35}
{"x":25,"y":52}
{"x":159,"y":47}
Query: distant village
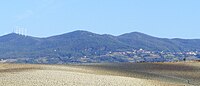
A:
{"x":135,"y":56}
{"x":142,"y":55}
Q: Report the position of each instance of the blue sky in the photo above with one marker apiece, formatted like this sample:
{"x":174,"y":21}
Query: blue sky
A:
{"x":161,"y":18}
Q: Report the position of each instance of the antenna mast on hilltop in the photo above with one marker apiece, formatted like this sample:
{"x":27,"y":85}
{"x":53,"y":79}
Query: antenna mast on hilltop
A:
{"x":25,"y":31}
{"x":20,"y":31}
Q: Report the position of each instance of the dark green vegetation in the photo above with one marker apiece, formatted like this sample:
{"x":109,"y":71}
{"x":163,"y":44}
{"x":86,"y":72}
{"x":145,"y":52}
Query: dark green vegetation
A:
{"x":83,"y":46}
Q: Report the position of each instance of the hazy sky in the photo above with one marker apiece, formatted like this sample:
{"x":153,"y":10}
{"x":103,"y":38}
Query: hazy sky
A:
{"x":161,"y":18}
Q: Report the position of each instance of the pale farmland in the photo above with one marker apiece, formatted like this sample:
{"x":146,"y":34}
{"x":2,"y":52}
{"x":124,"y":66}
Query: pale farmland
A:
{"x":110,"y":74}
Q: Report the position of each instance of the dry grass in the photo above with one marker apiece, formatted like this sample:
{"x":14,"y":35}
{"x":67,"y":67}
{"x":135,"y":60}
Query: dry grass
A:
{"x":118,"y":74}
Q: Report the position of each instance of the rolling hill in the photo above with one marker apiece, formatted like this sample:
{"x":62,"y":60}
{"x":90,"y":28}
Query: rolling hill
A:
{"x":86,"y":46}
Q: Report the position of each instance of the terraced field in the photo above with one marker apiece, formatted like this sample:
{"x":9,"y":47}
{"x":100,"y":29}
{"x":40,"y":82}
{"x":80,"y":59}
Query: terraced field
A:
{"x":107,"y":74}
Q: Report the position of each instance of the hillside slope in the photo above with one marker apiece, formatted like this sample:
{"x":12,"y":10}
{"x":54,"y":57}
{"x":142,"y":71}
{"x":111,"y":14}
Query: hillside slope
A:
{"x":83,"y":45}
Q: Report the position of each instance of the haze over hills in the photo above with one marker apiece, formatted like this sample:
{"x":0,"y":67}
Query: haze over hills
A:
{"x":84,"y":46}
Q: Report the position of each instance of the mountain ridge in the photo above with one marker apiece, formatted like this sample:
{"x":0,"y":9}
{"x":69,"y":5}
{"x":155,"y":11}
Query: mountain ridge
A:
{"x":73,"y":46}
{"x":85,"y":31}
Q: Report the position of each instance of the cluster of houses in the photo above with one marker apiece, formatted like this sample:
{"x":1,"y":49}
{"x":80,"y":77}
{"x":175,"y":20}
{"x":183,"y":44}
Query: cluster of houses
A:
{"x":142,"y":55}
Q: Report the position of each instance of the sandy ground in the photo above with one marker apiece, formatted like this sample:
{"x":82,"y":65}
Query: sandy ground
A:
{"x":70,"y":75}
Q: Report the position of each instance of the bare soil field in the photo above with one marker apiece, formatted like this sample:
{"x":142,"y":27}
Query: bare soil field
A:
{"x":104,"y":74}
